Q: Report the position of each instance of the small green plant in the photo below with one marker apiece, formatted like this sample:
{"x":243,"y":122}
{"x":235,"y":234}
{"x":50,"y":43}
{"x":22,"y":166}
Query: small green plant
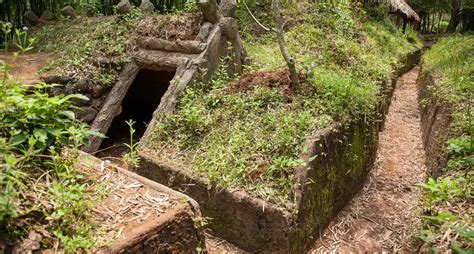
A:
{"x":131,"y":158}
{"x":443,"y":189}
{"x":461,"y":146}
{"x":6,"y":29}
{"x":22,"y":41}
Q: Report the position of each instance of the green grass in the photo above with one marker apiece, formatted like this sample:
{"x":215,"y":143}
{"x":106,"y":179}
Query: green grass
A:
{"x":452,"y":60}
{"x":449,"y":210}
{"x":96,"y":48}
{"x":91,"y":48}
{"x":252,"y":139}
{"x":335,"y":39}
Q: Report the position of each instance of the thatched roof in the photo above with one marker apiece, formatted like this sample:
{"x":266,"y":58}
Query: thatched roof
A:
{"x":404,"y":8}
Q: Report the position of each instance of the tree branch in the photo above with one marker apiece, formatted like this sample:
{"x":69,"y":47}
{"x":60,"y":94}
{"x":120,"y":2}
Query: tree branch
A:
{"x":255,"y":19}
{"x":290,"y":61}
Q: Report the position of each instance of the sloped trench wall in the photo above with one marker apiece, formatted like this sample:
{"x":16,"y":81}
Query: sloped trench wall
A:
{"x":324,"y":188}
{"x":345,"y":155}
{"x":174,"y":229}
{"x":436,"y":125}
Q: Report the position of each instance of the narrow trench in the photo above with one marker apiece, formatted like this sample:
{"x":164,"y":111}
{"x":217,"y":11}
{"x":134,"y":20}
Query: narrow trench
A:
{"x":141,"y":100}
{"x":385,"y":214}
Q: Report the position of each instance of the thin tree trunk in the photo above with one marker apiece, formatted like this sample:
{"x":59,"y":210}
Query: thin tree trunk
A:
{"x":439,"y":23}
{"x":427,"y":23}
{"x":433,"y":23}
{"x":290,"y":61}
{"x":455,"y":16}
{"x":404,"y":24}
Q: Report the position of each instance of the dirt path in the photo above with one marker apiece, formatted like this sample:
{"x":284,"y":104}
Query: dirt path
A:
{"x":26,"y":67}
{"x":216,"y":245}
{"x":385,"y":215}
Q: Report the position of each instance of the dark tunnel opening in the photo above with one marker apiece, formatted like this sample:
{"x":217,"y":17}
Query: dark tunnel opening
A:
{"x":141,"y":100}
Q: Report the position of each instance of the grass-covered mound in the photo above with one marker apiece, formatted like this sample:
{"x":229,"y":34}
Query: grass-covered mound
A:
{"x":448,"y":223}
{"x":96,"y":48}
{"x":240,"y":134}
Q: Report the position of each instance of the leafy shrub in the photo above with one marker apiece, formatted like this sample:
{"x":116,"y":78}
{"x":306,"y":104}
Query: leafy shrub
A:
{"x":38,"y":187}
{"x":34,"y":128}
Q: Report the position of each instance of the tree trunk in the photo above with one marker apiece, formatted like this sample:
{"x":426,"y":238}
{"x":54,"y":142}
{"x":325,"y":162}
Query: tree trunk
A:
{"x":439,"y":22}
{"x":427,"y":23}
{"x":290,"y":61}
{"x":404,"y":24}
{"x":455,"y":16}
{"x":433,"y":23}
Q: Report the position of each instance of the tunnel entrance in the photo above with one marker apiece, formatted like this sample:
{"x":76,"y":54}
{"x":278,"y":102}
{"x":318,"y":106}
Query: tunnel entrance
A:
{"x":141,"y":100}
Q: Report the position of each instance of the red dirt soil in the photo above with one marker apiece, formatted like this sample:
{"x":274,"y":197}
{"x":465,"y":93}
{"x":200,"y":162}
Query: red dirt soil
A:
{"x":386,"y":214}
{"x":270,"y":79}
{"x":25,"y":67}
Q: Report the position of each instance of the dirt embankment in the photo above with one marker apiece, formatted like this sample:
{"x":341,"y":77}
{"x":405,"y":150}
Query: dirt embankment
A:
{"x":385,"y":215}
{"x":436,"y":125}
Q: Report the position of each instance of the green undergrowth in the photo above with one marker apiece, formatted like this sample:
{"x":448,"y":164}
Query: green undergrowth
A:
{"x":448,"y":224}
{"x":336,"y":39}
{"x":252,"y":138}
{"x":89,"y":48}
{"x":452,"y":61}
{"x":42,"y":197}
{"x":42,"y":193}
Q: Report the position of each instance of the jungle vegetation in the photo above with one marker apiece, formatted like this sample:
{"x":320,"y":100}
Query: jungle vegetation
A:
{"x":343,"y":49}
